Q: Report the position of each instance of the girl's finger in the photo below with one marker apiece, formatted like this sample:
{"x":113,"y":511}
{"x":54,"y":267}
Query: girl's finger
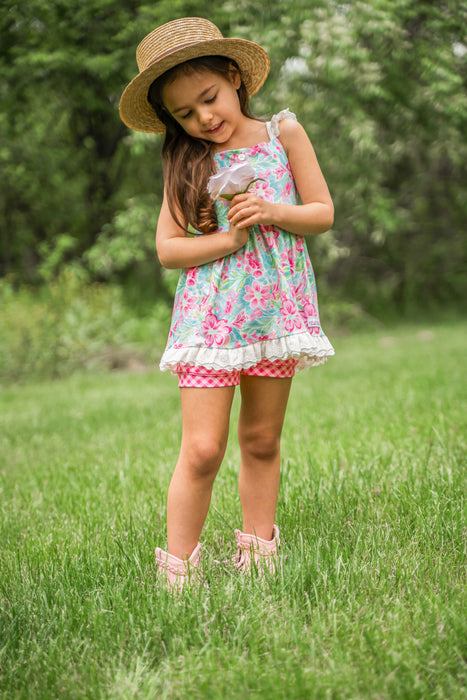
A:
{"x":239,"y":198}
{"x":243,"y":224}
{"x":241,"y":215}
{"x":238,"y":211}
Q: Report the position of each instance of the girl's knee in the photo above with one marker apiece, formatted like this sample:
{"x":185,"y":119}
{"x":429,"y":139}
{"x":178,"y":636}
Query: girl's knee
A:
{"x":259,"y":442}
{"x":203,"y":457}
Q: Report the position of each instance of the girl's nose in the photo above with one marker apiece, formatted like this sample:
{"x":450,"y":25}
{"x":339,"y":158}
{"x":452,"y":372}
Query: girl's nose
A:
{"x":205,"y":115}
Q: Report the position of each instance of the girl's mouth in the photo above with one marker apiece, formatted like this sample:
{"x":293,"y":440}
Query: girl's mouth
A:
{"x":216,"y":129}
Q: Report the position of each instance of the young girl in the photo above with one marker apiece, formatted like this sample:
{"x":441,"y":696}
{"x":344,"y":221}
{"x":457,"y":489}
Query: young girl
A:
{"x":245,"y":309}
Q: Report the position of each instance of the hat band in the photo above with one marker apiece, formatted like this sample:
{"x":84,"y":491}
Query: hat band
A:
{"x":170,"y":51}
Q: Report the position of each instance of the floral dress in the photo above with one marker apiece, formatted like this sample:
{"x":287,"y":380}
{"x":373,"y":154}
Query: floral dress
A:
{"x":259,"y":302}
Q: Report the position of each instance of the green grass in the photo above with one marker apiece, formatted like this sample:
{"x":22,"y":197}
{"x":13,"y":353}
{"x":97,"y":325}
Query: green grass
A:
{"x":371,"y":598}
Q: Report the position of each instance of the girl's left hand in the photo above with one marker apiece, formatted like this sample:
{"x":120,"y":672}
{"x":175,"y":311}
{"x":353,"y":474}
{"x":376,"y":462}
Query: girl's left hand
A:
{"x":247,"y":209}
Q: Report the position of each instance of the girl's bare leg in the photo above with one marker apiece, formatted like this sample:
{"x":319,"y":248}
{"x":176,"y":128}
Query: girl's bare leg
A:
{"x":264,"y":401}
{"x":205,"y":414}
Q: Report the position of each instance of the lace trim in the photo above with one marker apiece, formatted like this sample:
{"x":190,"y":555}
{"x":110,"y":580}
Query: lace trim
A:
{"x":309,"y":350}
{"x":273,"y":125}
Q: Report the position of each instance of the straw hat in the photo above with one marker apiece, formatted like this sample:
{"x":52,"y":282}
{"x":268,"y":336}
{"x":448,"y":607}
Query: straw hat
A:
{"x":176,"y":42}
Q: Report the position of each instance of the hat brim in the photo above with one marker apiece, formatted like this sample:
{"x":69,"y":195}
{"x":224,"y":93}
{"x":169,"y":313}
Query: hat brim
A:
{"x":252,"y":60}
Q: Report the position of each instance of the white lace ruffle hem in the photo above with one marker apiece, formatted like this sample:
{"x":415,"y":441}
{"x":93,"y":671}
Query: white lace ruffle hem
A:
{"x":309,"y":350}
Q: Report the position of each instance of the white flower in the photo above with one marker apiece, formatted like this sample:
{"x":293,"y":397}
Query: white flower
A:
{"x":228,"y":182}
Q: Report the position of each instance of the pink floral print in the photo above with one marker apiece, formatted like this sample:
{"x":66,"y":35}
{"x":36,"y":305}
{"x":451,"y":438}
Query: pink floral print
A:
{"x":215,"y":330}
{"x":264,"y":293}
{"x":256,"y":295}
{"x":289,"y":315}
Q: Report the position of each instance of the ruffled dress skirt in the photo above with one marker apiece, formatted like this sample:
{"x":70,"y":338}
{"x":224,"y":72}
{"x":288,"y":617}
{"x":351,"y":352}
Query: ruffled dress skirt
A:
{"x":261,"y":301}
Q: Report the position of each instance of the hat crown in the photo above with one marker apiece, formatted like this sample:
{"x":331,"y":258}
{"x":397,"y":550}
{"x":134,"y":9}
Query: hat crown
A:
{"x":172,"y":36}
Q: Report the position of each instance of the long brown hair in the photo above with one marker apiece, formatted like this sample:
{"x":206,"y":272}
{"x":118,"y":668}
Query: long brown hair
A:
{"x":189,"y":162}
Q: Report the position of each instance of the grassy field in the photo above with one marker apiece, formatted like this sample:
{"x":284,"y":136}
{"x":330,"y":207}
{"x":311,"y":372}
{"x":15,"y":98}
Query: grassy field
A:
{"x":370,"y":601}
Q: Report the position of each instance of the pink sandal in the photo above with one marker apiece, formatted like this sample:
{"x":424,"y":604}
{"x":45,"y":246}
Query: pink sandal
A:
{"x":179,"y":572}
{"x":254,"y":550}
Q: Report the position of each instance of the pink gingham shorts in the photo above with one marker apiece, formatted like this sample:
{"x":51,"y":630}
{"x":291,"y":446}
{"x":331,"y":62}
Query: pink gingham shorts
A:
{"x":193,"y":377}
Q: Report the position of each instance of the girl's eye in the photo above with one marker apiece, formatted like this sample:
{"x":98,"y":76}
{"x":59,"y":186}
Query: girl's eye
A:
{"x":208,"y":101}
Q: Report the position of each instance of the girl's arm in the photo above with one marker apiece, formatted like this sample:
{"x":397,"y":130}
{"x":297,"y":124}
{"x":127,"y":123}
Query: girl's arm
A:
{"x":316,"y":212}
{"x":176,"y":250}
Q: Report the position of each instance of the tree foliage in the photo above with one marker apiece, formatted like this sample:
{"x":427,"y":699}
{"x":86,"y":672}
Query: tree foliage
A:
{"x":382,"y":87}
{"x":379,"y":86}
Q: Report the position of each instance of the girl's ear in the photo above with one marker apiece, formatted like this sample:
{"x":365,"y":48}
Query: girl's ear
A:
{"x":234,"y":76}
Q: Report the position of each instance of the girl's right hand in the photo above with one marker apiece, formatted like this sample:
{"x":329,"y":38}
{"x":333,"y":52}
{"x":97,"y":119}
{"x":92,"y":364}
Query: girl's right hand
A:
{"x":177,"y":250}
{"x":238,"y":236}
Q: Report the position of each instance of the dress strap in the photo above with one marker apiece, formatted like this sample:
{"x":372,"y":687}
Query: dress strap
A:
{"x":273,"y":125}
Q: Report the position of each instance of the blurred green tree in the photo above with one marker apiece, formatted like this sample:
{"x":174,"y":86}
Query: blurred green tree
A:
{"x":380,"y":87}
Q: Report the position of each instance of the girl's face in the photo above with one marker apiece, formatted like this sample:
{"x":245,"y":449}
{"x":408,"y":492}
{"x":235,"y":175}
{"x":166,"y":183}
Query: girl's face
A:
{"x":205,"y":104}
